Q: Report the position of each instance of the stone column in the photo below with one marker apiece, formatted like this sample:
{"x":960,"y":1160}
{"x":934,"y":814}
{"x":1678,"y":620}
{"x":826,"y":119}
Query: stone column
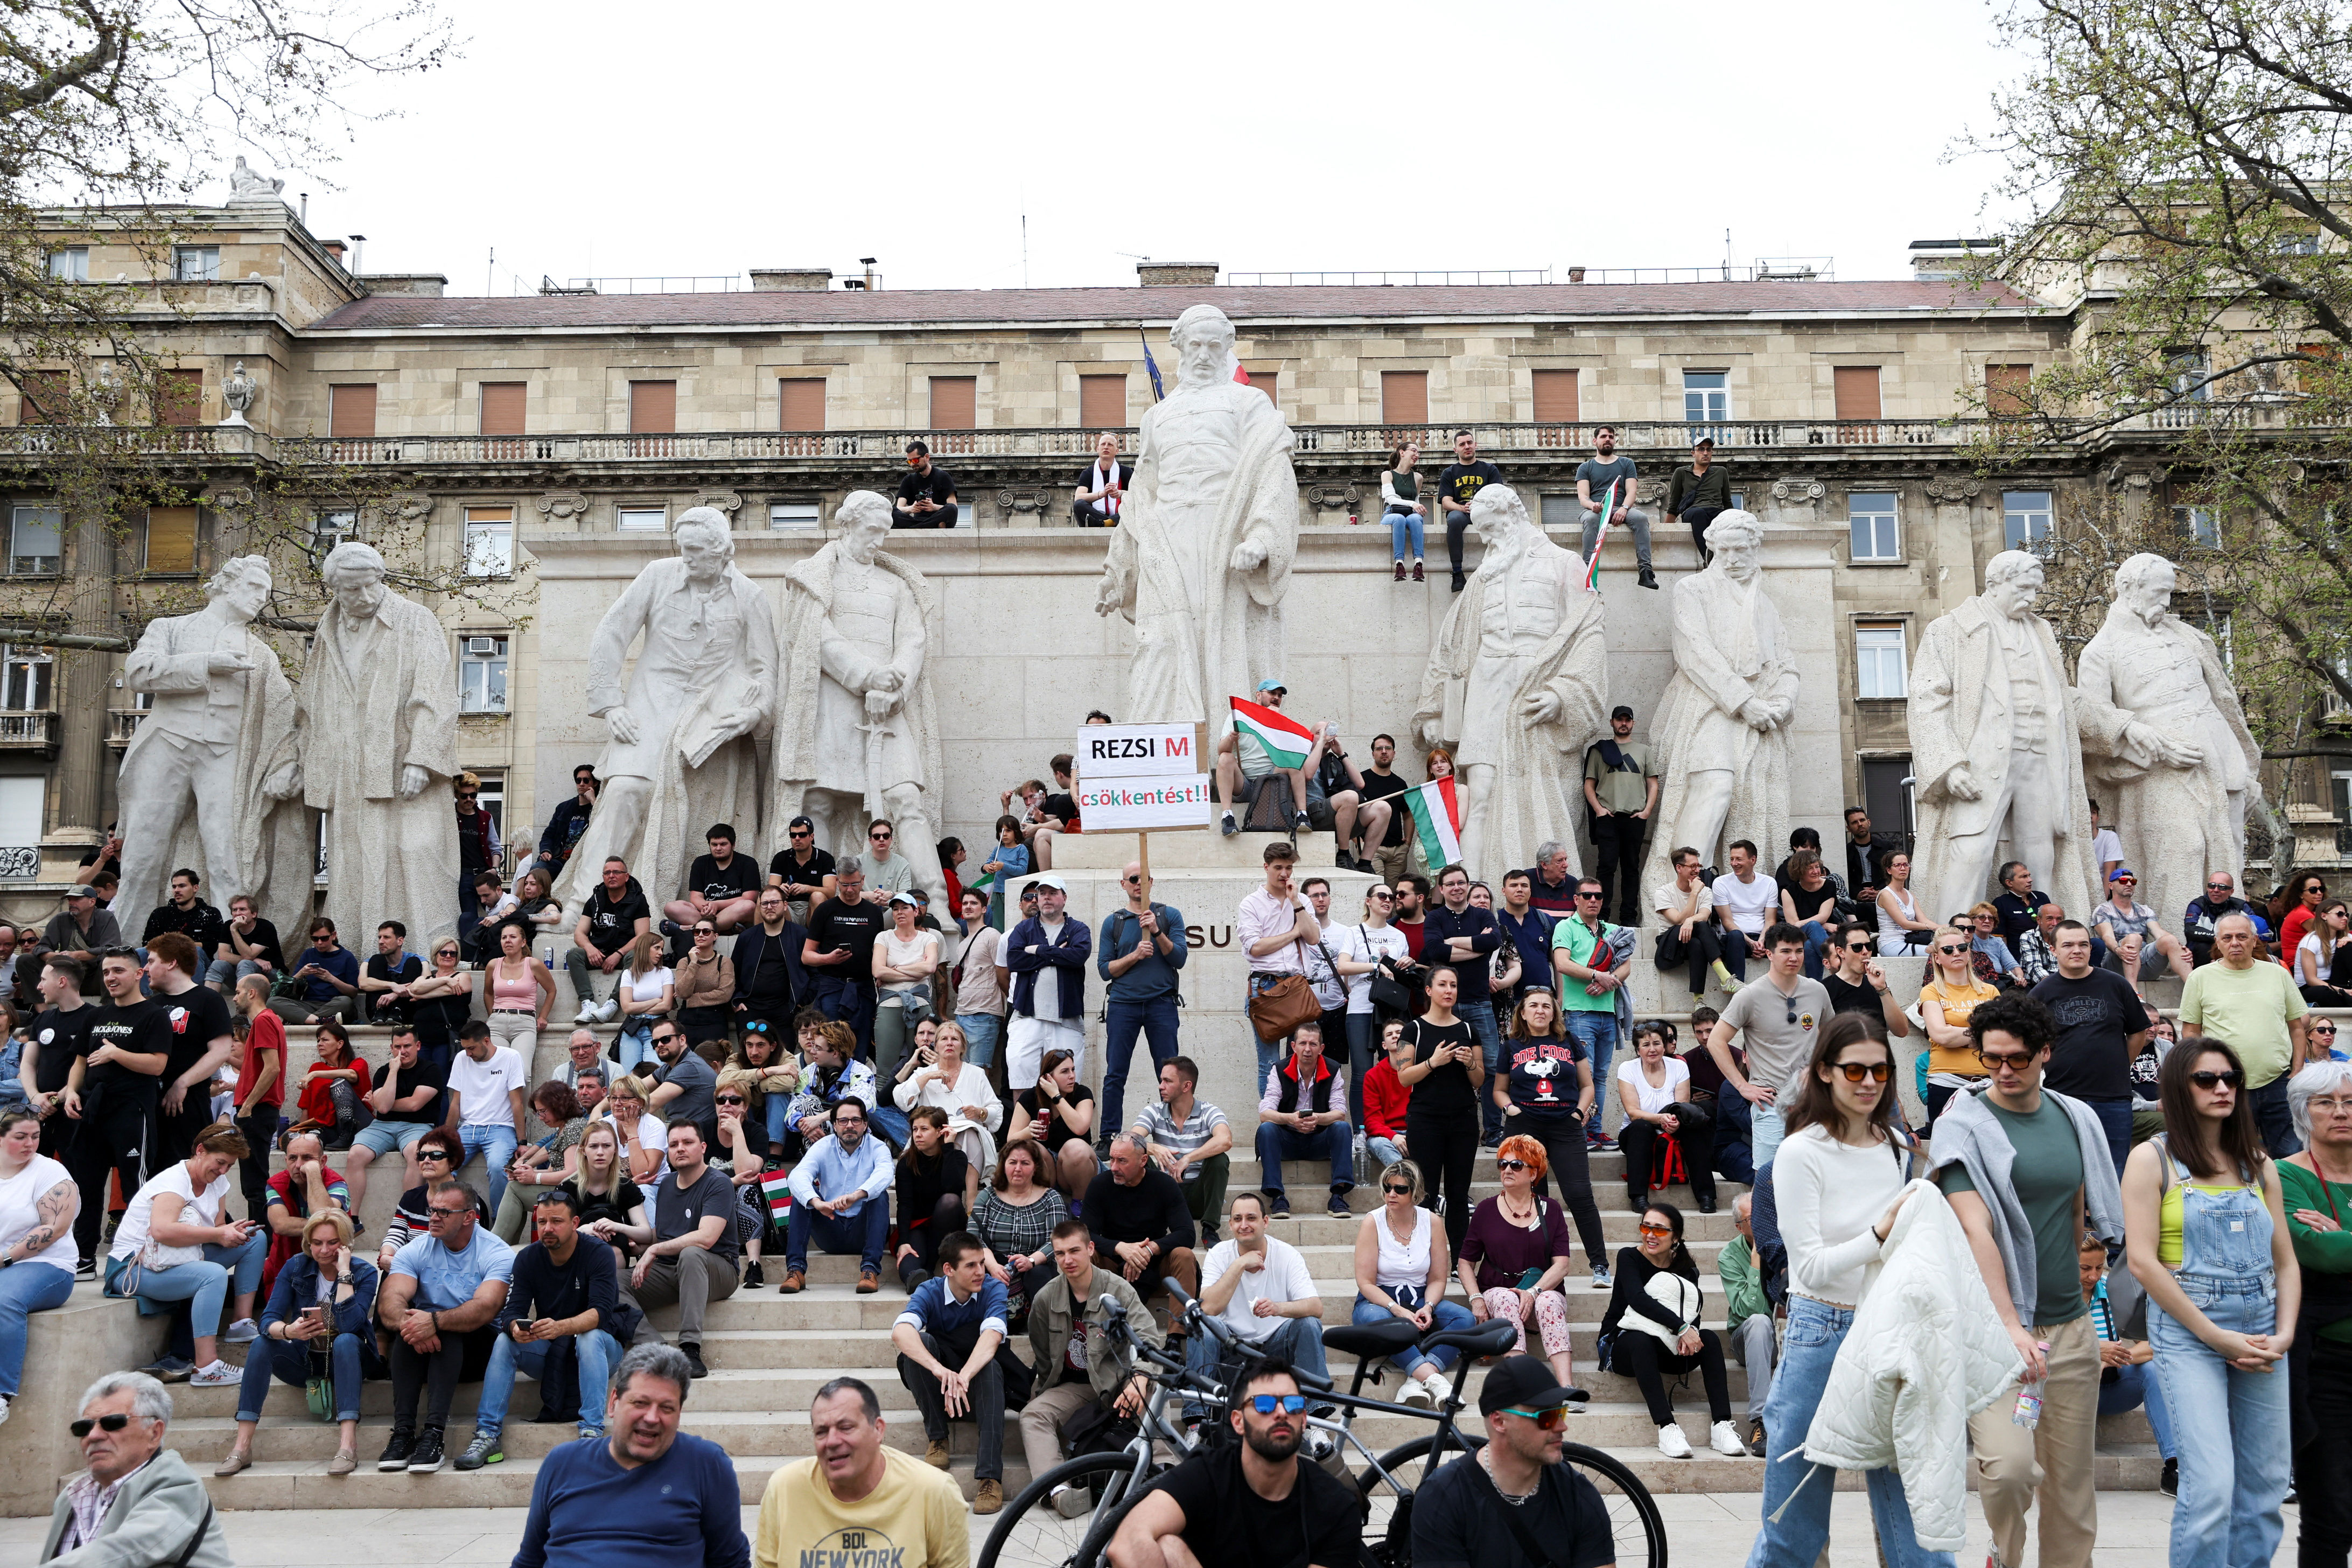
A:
{"x":84,"y":799}
{"x":1952,"y":545}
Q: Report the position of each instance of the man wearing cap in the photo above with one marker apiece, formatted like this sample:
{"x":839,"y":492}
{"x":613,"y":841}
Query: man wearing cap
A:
{"x":1242,"y":759}
{"x":1046,"y":956}
{"x":1555,"y":1517}
{"x":82,"y":931}
{"x":1621,"y":790}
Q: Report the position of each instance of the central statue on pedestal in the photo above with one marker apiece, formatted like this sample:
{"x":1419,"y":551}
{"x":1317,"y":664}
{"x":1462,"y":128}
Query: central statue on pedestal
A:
{"x":1202,"y":552}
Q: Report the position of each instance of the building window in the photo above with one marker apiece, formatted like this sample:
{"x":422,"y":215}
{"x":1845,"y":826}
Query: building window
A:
{"x":2200,"y":525}
{"x":955,"y":401}
{"x":1102,"y":401}
{"x":170,"y":543}
{"x":1875,"y":535}
{"x":652,"y":408}
{"x":1404,"y":398}
{"x":481,"y":674}
{"x":1555,"y":397}
{"x":46,"y":398}
{"x":2304,"y":243}
{"x":331,"y":529}
{"x":70,"y":264}
{"x":490,"y":541}
{"x":1267,"y":381}
{"x":195,"y":263}
{"x":26,"y":678}
{"x":1878,"y":669}
{"x":36,"y":541}
{"x":2005,"y":390}
{"x":800,"y":403}
{"x":1706,"y":396}
{"x":493,"y":799}
{"x":179,"y":396}
{"x":350,"y":411}
{"x":504,"y":404}
{"x":2025,"y":520}
{"x":1855,"y":390}
{"x":643,"y":520}
{"x":789,"y":514}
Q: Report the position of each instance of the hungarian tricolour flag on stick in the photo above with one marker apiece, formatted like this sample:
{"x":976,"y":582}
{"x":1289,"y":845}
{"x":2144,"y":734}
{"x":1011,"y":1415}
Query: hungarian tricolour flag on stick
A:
{"x":1600,"y":534}
{"x":1437,"y":819}
{"x":1286,"y":742}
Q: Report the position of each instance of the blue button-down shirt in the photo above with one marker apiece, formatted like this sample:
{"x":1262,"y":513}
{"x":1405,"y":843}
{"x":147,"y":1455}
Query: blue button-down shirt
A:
{"x":828,"y":1170}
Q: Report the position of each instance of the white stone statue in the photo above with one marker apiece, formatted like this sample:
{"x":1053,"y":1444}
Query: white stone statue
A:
{"x":211,"y":779}
{"x":378,"y":718}
{"x":1519,"y":680}
{"x":244,"y":185}
{"x":857,"y":733}
{"x":238,"y":391}
{"x":2178,"y":769}
{"x":1996,"y":750}
{"x":1202,"y":556}
{"x":1721,"y":735}
{"x":684,"y":752}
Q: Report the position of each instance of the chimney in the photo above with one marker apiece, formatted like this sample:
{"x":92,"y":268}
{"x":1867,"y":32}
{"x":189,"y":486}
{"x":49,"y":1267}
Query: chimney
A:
{"x":333,"y":247}
{"x":1576,"y":275}
{"x":1166,"y":274}
{"x":791,"y":280}
{"x":417,"y":285}
{"x":1934,"y":260}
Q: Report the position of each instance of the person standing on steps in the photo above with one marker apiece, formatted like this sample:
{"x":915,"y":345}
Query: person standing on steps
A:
{"x":1606,"y":480}
{"x":1776,"y":1016}
{"x":1462,"y":478}
{"x":1620,"y":792}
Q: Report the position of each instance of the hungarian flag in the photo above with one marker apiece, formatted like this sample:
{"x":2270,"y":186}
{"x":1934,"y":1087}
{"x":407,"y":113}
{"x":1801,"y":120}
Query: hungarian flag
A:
{"x":1437,"y":819}
{"x":1241,"y":375}
{"x":1600,"y":534}
{"x":777,"y":1188}
{"x":1286,"y":742}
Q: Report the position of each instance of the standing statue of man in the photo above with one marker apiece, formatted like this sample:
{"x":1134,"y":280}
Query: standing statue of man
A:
{"x":1203,"y":549}
{"x":683,"y":754}
{"x":377,"y":711}
{"x":2181,"y":771}
{"x":218,"y":744}
{"x":1996,"y":750}
{"x":1520,"y":672}
{"x":1721,"y":735}
{"x":858,"y":736}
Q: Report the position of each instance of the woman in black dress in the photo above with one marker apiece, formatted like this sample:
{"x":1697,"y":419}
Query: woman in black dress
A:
{"x":1440,"y":1121}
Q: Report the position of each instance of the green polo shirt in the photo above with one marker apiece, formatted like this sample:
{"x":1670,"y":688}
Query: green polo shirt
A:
{"x":1579,"y":939}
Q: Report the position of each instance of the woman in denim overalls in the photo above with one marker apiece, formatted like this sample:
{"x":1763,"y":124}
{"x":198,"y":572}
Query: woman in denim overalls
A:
{"x":2206,"y":1234}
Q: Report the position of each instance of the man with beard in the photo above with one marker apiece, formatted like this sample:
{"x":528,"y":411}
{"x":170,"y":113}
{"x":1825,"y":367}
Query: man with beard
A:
{"x":1250,"y":1504}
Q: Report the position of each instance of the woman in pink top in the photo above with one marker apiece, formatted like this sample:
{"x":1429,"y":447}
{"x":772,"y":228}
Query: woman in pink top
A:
{"x":520,"y":991}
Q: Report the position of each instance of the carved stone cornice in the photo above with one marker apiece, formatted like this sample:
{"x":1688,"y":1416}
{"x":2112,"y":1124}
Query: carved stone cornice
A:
{"x":1953,"y":490}
{"x":1798,"y":492}
{"x":561,"y":506}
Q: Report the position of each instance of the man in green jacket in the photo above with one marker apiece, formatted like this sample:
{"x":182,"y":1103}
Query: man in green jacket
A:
{"x":1077,"y":1363}
{"x":1749,"y":1311}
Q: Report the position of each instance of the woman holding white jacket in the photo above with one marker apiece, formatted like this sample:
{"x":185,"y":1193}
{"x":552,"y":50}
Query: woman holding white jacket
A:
{"x":1837,"y":1186}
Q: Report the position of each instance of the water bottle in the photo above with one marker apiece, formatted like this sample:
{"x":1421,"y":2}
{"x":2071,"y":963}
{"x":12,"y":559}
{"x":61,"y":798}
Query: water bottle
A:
{"x":2028,"y":1413}
{"x":547,"y":955}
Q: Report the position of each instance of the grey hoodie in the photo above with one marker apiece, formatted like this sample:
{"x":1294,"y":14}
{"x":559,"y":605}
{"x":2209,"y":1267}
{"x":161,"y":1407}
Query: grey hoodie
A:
{"x":1968,"y":1135}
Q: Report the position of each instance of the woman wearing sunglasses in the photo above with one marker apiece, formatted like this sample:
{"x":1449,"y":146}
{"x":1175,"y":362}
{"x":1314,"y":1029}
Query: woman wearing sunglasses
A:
{"x":438,"y":1155}
{"x":2206,"y":1233}
{"x":1657,"y":1282}
{"x":440,"y":1000}
{"x":703,"y":985}
{"x":1515,"y":1255}
{"x":1838,"y":1183}
{"x":1951,"y":994}
{"x":1400,"y":1274}
{"x":741,"y":1158}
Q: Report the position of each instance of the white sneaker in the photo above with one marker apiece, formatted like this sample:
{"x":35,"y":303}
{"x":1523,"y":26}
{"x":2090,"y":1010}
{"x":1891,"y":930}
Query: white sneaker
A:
{"x":1072,"y":1501}
{"x":1417,"y":1392}
{"x":609,"y":1011}
{"x":587,"y":1014}
{"x":220,"y":1374}
{"x":242,"y":1332}
{"x":1725,"y":1439}
{"x":1672,"y":1442}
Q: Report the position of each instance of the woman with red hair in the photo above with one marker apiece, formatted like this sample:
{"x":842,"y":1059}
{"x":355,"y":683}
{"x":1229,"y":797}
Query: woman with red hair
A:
{"x":1514,"y":1256}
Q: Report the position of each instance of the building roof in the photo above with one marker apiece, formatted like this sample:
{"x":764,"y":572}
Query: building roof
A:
{"x":935,"y":307}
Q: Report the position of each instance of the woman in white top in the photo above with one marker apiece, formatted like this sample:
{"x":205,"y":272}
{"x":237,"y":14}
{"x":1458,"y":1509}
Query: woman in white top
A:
{"x":1654,"y":1090}
{"x":905,"y":958}
{"x":1837,"y":1183}
{"x":38,"y":1205}
{"x":648,"y":991}
{"x":198,"y":1254}
{"x":2314,"y":959}
{"x":1400,"y":1274}
{"x":1900,"y":929}
{"x":1357,"y":951}
{"x":1403,"y":507}
{"x":645,"y":1141}
{"x":944,"y":1078}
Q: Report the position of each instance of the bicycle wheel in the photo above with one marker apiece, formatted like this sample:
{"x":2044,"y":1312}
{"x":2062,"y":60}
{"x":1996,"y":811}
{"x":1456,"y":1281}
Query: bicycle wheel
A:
{"x":1634,"y":1521}
{"x":1032,"y":1533}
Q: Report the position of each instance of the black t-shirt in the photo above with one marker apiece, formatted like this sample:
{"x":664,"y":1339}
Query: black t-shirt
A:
{"x":813,"y":875}
{"x":200,"y":922}
{"x":1055,"y":1131}
{"x":2093,"y":1014}
{"x":618,"y":1202}
{"x":1543,"y":1077}
{"x":722,"y":884}
{"x":1447,"y":1090}
{"x":1457,"y":1522}
{"x":770,"y":983}
{"x":613,"y":922}
{"x":139,"y":1028}
{"x":1227,"y":1523}
{"x":198,"y":1016}
{"x":1845,"y":998}
{"x":2017,"y":915}
{"x":1459,"y":482}
{"x":833,"y":926}
{"x":410,"y":1080}
{"x":1379,"y":786}
{"x":59,"y":1036}
{"x":1061,"y":807}
{"x":546,"y":1288}
{"x":937,"y":486}
{"x":263,"y":939}
{"x":920,"y":1188}
{"x":380,"y":966}
{"x":677,"y":1210}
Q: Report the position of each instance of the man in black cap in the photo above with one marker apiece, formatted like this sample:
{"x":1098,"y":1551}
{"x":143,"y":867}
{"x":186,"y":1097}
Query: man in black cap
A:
{"x":1555,"y":1517}
{"x":1620,"y":793}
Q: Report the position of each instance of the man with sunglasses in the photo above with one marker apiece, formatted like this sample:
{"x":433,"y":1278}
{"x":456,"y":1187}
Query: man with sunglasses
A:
{"x":1858,"y":982}
{"x":1590,"y":978}
{"x":2100,"y":1026}
{"x":567,"y":824}
{"x":1140,"y":952}
{"x":927,"y":496}
{"x":329,"y":977}
{"x":2205,"y":912}
{"x":1250,"y":1504}
{"x":839,"y":953}
{"x":2042,"y":1156}
{"x":2256,"y":1005}
{"x":803,"y":871}
{"x":886,"y":872}
{"x":479,"y":850}
{"x":137,"y":1502}
{"x":1776,"y":1016}
{"x":612,"y":919}
{"x":441,"y":1299}
{"x":1554,"y":1516}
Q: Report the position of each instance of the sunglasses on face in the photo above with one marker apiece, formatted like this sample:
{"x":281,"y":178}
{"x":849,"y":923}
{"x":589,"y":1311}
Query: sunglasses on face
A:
{"x":1582,"y":894}
{"x":705,"y":930}
{"x":1398,"y":1191}
{"x":1948,"y":949}
{"x":1550,"y":1420}
{"x":1289,"y":1403}
{"x":2217,"y":887}
{"x":114,"y":1423}
{"x":801,"y":833}
{"x":1510,"y":1164}
{"x":2016,"y":1061}
{"x":2126,"y":881}
{"x":2322,"y":1028}
{"x":1649,"y":1229}
{"x":2216,"y":1079}
{"x":431,"y":1153}
{"x":728,"y":1100}
{"x":880,"y":837}
{"x":1877,"y":1072}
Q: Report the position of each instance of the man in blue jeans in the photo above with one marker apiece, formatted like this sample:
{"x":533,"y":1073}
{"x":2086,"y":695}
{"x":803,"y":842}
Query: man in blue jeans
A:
{"x":1590,"y":979}
{"x":1139,"y":951}
{"x":840,"y":1196}
{"x":1464,"y":939}
{"x":1303,"y":1115}
{"x":564,"y":1289}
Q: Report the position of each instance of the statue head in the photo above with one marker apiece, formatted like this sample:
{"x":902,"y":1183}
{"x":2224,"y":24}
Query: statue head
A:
{"x":354,"y":572}
{"x":865,"y":520}
{"x":2144,"y":586}
{"x":2012,"y":582}
{"x":1496,"y":512}
{"x":1734,"y":539}
{"x":706,"y":542}
{"x":241,"y":586}
{"x":1203,"y":340}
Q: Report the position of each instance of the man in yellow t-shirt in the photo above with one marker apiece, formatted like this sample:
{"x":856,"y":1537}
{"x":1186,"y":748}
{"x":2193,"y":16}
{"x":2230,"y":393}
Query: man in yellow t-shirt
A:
{"x":857,"y":1496}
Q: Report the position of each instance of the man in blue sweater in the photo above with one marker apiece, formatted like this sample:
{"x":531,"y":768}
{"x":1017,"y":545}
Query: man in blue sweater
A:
{"x":1140,"y":951}
{"x":646,"y":1494}
{"x":947,"y":1341}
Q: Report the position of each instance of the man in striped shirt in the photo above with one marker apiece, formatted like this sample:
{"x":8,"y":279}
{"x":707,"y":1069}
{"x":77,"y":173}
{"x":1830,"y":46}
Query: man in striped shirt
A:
{"x":1192,"y":1141}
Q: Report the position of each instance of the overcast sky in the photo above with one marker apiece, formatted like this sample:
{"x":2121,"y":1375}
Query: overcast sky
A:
{"x":593,"y":138}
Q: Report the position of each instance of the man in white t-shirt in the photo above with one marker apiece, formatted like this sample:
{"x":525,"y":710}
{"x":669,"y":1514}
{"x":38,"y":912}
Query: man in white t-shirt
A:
{"x":484,"y":1102}
{"x":1258,"y":1287}
{"x":1746,"y":901}
{"x":1687,"y":932}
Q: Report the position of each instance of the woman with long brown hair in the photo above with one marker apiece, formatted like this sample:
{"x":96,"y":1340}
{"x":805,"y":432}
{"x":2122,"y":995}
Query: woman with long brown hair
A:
{"x":1402,"y":507}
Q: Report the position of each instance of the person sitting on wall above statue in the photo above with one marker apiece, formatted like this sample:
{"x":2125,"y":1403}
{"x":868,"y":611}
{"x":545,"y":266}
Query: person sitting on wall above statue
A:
{"x":1102,"y":486}
{"x":927,"y":496}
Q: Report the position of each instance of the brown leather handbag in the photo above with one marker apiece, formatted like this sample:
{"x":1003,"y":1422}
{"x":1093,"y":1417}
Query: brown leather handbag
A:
{"x":1282,"y":1006}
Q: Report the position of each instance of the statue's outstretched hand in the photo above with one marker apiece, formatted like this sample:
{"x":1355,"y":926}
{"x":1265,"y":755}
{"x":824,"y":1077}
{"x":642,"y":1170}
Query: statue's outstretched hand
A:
{"x":1248,"y":555}
{"x":622,"y":725}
